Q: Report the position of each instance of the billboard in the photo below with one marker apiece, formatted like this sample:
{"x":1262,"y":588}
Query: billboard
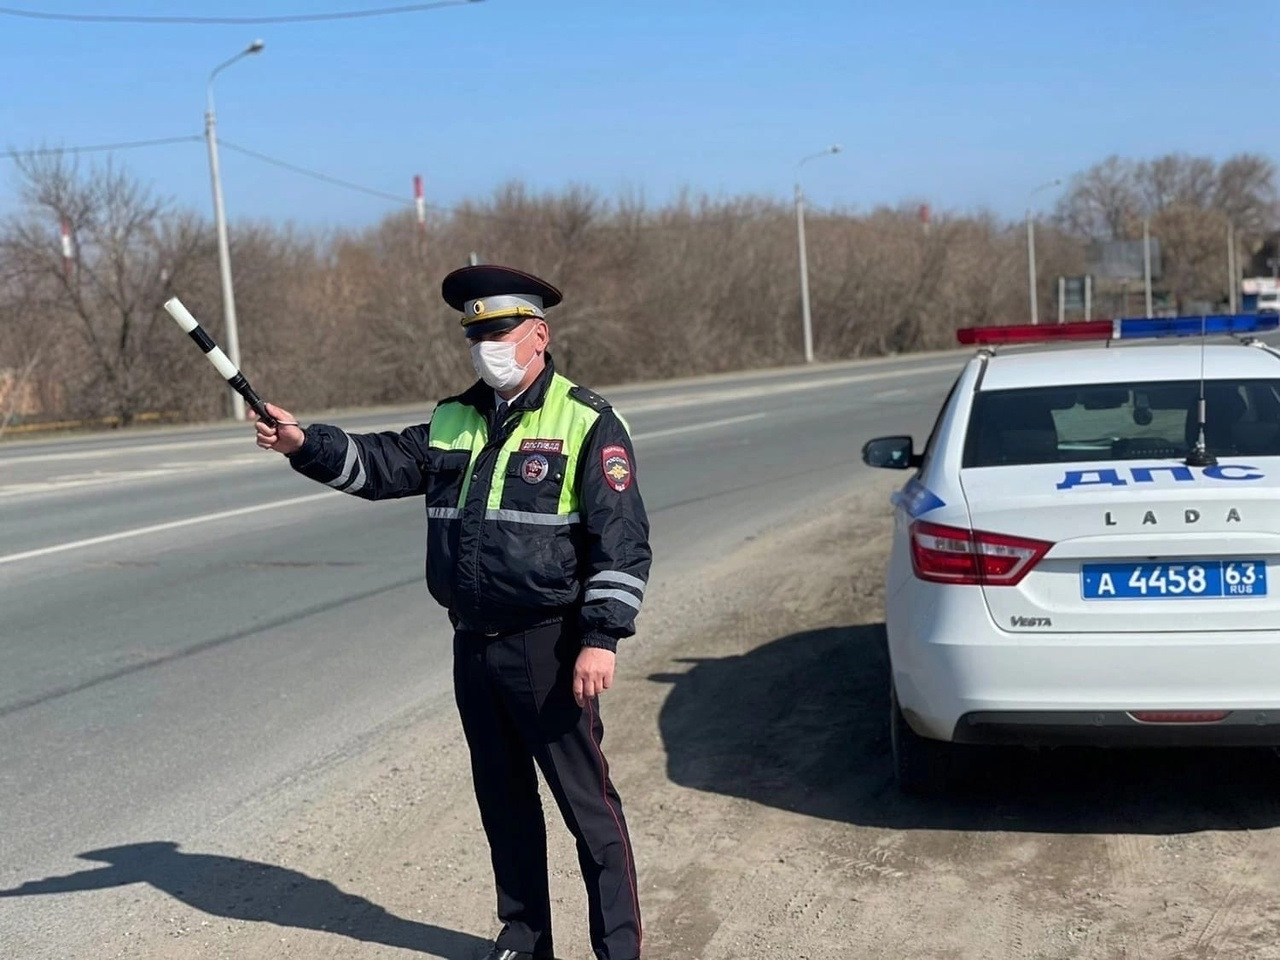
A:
{"x":1073,"y":293}
{"x":1121,"y":259}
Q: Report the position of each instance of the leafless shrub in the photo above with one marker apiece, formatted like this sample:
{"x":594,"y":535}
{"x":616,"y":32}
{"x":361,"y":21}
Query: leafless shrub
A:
{"x":696,"y":285}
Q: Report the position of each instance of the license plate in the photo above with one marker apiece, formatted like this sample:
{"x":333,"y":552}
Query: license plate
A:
{"x":1182,"y":580}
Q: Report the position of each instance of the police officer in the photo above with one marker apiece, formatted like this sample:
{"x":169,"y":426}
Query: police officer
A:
{"x":537,"y":545}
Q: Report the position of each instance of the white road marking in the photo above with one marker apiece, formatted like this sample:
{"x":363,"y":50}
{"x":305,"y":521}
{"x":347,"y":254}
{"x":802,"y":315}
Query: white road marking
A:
{"x":76,"y":481}
{"x":703,"y":397}
{"x":886,"y":394}
{"x":99,"y":477}
{"x":256,"y":508}
{"x":751,"y":393}
{"x":131,"y":449}
{"x":160,"y":528}
{"x":690,"y":428}
{"x":128,"y":450}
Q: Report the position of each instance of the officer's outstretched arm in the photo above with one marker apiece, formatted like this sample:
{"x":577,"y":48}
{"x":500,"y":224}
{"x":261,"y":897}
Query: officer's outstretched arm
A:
{"x":617,"y":528}
{"x":375,"y":466}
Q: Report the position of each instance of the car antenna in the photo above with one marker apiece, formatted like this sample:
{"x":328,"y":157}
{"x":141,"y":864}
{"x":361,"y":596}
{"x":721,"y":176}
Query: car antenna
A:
{"x":1199,"y":455}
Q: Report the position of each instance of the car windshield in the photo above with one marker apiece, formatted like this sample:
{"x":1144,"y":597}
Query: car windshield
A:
{"x":1122,"y":421}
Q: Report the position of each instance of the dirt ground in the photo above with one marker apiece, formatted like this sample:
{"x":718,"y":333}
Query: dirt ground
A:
{"x":748,"y":740}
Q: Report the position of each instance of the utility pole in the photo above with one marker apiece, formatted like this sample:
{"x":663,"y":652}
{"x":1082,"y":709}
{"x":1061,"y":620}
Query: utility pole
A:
{"x":1146,"y":260}
{"x":1232,"y":272}
{"x":420,"y":202}
{"x":68,"y":249}
{"x":1031,"y":267}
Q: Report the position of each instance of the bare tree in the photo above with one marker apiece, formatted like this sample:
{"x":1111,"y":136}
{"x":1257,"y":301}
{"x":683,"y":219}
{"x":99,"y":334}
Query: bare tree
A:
{"x":25,"y":336}
{"x":130,"y":251}
{"x":695,"y":285}
{"x":1189,"y":202}
{"x":1101,"y":202}
{"x":1245,"y":193}
{"x":1174,"y":180}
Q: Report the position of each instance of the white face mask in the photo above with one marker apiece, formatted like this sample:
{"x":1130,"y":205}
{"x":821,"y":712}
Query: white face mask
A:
{"x":495,"y":362}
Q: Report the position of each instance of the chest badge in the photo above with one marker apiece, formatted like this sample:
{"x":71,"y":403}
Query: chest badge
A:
{"x":535,"y":468}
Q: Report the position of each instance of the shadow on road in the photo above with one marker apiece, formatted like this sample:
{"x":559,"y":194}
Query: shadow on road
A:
{"x":801,"y":724}
{"x":246,"y":890}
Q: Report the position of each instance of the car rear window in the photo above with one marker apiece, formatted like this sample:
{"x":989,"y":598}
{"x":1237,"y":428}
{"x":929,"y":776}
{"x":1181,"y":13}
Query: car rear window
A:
{"x":1122,"y":421}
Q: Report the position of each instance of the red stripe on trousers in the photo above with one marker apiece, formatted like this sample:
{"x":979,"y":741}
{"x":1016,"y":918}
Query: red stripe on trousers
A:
{"x":626,"y":844}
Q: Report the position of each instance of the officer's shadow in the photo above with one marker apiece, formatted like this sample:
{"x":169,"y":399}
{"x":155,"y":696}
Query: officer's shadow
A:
{"x":247,"y":890}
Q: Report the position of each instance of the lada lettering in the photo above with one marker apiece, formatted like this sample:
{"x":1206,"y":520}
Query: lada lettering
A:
{"x":1178,"y":474}
{"x":1152,"y":518}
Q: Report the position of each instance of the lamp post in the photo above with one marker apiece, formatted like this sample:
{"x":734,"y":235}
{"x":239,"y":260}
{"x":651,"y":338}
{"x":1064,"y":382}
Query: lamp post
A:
{"x":804,"y":256}
{"x":220,"y":221}
{"x":1031,"y":247}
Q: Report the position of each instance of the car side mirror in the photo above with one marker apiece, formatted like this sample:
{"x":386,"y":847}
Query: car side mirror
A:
{"x":892,"y":453}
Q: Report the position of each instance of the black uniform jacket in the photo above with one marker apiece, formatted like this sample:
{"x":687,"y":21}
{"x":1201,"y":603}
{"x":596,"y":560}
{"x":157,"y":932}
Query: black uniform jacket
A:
{"x":492,"y":575}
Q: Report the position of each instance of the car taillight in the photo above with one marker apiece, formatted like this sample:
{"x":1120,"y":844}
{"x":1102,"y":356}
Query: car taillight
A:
{"x":955,"y":555}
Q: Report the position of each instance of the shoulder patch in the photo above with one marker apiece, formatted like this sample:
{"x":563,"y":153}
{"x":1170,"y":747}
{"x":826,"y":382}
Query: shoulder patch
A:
{"x":590,"y":398}
{"x":616,"y":466}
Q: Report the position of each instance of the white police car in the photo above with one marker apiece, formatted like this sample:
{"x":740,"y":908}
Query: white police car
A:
{"x":1087,"y":552}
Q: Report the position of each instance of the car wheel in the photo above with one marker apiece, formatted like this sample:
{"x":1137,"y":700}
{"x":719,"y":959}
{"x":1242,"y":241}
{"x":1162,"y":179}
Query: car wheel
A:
{"x":922,"y":767}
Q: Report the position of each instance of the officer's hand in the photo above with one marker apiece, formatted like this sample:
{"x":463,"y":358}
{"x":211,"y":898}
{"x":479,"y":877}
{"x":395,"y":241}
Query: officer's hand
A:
{"x":592,"y":674}
{"x":285,"y":438}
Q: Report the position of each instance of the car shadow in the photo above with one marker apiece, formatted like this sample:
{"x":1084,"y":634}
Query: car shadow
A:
{"x":247,"y":890}
{"x":800,"y":724}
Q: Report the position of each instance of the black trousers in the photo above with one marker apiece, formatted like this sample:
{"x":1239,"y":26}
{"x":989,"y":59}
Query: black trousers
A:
{"x":515,"y":698}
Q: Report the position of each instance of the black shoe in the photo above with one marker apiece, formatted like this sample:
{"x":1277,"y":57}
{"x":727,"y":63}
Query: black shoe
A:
{"x":501,"y":953}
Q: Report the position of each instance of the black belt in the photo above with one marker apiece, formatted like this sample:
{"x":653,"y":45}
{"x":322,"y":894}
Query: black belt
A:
{"x":478,"y":631}
{"x":490,"y":631}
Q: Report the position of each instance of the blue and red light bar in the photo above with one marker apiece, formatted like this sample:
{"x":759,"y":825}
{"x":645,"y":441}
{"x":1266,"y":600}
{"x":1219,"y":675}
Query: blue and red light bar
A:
{"x":1122,"y":328}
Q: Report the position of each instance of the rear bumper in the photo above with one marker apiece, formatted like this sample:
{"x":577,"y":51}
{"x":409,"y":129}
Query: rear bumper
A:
{"x":1241,"y":728}
{"x":960,"y":677}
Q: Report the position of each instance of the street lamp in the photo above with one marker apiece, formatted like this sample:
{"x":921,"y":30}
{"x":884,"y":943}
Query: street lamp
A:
{"x":220,"y":220}
{"x":1031,"y":247}
{"x":804,"y":257}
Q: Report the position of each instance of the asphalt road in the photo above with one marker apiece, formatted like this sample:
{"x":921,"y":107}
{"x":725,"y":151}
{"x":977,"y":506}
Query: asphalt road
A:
{"x":187,"y":624}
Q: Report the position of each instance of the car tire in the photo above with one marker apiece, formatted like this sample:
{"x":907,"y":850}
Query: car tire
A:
{"x":922,"y":767}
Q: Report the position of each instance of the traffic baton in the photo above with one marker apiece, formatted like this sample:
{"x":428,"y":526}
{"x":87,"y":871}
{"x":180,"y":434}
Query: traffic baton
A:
{"x":182,"y":316}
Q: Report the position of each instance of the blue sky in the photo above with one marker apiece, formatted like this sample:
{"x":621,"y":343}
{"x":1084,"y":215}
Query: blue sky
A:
{"x":965,"y":104}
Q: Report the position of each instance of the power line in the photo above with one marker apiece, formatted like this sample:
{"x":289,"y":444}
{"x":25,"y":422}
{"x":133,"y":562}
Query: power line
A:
{"x":359,"y":188}
{"x":97,"y":147}
{"x":462,"y":210}
{"x":294,"y":18}
{"x":163,"y":141}
{"x":315,"y":174}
